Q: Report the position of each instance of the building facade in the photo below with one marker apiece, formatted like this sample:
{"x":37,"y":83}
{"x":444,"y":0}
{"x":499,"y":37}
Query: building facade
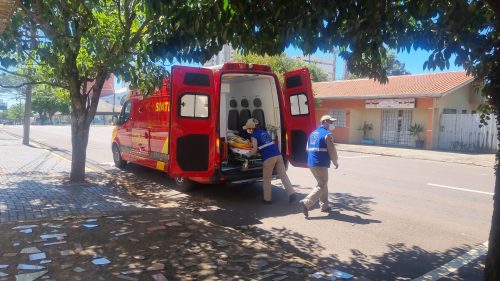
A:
{"x":390,"y":109}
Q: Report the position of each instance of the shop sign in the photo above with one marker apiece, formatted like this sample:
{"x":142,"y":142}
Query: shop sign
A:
{"x":390,"y":103}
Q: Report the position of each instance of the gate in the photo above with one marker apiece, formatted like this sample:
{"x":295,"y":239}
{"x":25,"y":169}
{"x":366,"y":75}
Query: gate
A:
{"x":395,"y":126}
{"x":461,"y":132}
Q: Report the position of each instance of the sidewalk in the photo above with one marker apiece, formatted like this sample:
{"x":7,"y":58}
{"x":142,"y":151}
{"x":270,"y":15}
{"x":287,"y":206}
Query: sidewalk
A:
{"x":484,"y":160}
{"x":53,"y":230}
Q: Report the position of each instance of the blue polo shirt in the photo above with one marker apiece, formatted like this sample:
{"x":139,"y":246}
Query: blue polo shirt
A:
{"x":267,"y":148}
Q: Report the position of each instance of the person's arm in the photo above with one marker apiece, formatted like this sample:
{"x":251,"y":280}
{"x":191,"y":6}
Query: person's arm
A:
{"x":254,"y":147}
{"x":332,"y":151}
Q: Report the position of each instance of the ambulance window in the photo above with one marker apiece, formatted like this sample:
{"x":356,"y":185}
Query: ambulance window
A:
{"x":293,"y":81}
{"x":193,"y":105}
{"x":197,"y":79}
{"x":124,"y":116}
{"x":299,"y":104}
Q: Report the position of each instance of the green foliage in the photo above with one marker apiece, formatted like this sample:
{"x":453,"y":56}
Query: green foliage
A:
{"x":392,"y":66}
{"x":15,"y":111}
{"x":47,"y":101}
{"x":281,"y":64}
{"x":415,"y":130}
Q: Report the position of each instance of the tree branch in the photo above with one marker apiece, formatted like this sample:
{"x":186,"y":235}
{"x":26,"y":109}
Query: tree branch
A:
{"x":33,"y":58}
{"x":118,"y":4}
{"x":16,"y":74}
{"x":47,"y":28}
{"x":138,"y":34}
{"x":31,"y":83}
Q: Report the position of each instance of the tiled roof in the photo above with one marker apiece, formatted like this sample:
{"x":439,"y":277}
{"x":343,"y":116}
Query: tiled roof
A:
{"x":419,"y":85}
{"x":6,"y":10}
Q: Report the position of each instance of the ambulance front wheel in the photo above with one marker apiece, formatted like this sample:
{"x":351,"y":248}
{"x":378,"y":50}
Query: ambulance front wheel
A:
{"x":119,"y":162}
{"x":183,"y":184}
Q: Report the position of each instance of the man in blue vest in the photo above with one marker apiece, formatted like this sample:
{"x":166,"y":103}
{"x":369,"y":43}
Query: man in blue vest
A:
{"x":264,"y":144}
{"x":321,"y":150}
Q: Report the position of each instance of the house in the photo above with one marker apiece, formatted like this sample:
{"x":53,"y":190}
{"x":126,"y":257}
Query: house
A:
{"x":393,"y":107}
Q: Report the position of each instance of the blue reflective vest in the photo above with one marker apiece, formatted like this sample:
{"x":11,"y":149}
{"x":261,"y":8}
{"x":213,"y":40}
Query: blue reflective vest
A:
{"x":317,"y":151}
{"x":267,"y":148}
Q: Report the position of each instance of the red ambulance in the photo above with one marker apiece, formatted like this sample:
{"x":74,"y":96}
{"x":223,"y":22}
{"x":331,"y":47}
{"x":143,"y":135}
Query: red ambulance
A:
{"x":184,"y":128}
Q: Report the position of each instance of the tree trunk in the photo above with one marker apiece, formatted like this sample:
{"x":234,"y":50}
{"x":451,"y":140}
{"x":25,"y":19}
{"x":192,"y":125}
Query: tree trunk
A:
{"x":79,"y":142}
{"x":492,"y":264}
{"x":492,"y":267}
{"x":81,"y":118}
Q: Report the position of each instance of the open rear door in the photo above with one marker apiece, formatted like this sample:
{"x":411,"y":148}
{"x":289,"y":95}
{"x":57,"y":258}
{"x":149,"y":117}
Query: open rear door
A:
{"x":192,"y":122}
{"x":300,"y":119}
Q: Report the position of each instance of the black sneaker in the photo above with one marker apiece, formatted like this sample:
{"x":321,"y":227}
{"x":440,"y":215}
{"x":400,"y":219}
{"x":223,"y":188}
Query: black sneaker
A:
{"x":304,"y":209}
{"x":267,"y":202}
{"x":292,"y":198}
{"x":327,"y":209}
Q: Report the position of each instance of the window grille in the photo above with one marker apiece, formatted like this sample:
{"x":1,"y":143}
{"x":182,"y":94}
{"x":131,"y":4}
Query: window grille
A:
{"x":340,"y":116}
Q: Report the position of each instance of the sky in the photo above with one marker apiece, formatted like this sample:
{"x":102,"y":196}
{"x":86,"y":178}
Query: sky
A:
{"x":413,"y":61}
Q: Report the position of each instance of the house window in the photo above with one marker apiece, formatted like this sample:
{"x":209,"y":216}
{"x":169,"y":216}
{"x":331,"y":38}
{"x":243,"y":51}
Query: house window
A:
{"x":193,"y":105}
{"x":449,"y":111}
{"x":340,"y":116}
{"x":464,"y":111}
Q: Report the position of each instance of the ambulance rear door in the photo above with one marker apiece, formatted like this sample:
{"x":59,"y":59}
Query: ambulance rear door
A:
{"x":192,"y":123}
{"x":299,"y":114}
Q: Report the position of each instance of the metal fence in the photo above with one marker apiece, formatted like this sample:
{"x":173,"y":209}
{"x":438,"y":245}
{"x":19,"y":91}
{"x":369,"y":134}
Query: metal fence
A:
{"x":462,"y":132}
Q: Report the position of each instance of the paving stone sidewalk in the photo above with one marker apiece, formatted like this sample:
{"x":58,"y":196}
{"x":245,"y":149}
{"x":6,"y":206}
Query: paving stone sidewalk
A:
{"x":53,"y":230}
{"x":32,"y":186}
{"x":140,"y":245}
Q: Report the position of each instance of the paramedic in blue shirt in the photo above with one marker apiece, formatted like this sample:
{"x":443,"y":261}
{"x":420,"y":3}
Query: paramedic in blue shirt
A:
{"x":262,"y":142}
{"x":321,"y":151}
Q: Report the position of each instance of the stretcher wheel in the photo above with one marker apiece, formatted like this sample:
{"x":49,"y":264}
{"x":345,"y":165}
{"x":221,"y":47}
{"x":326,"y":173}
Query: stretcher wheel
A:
{"x":183,"y":184}
{"x":119,"y":162}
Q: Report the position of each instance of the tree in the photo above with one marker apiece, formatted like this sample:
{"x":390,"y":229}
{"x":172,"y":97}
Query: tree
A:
{"x":10,"y":93}
{"x":281,"y":64}
{"x":392,"y":66}
{"x":48,"y":100}
{"x":15,"y":112}
{"x":76,"y":45}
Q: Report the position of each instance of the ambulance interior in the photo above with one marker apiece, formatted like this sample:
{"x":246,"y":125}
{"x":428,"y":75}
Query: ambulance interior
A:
{"x":245,"y":96}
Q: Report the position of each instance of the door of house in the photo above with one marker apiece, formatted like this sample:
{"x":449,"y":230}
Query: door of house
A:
{"x":395,"y":125}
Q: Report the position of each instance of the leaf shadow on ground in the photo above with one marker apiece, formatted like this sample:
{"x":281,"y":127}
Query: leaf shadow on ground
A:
{"x":235,"y":204}
{"x":399,"y":262}
{"x":218,"y":203}
{"x":34,"y":195}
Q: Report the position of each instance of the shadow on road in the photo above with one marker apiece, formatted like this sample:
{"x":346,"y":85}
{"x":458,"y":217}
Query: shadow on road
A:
{"x":240,"y":206}
{"x":399,"y":262}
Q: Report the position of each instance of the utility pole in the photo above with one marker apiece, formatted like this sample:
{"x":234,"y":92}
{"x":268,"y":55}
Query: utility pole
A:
{"x":29,"y":89}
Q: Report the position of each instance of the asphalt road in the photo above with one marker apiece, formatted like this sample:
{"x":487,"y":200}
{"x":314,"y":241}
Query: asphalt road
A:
{"x":393,"y":218}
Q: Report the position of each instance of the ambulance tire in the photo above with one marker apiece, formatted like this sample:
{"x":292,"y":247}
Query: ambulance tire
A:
{"x":183,"y":184}
{"x":119,"y":162}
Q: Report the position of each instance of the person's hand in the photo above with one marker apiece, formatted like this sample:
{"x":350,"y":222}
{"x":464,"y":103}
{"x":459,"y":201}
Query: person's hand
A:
{"x":336,"y":164}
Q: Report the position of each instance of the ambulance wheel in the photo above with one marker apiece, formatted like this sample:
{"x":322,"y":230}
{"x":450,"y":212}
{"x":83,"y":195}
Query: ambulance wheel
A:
{"x":119,"y":162}
{"x":183,"y":184}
